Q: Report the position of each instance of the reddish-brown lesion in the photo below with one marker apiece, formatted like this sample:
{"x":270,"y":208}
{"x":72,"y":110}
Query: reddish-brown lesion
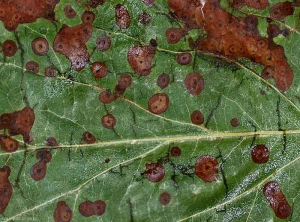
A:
{"x":233,"y":37}
{"x":6,"y":189}
{"x":15,"y":12}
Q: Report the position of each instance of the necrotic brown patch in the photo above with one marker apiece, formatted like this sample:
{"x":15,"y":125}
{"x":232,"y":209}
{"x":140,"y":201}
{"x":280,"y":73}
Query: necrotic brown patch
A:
{"x":277,"y":200}
{"x":50,"y":72}
{"x":8,"y":144}
{"x":106,"y":97}
{"x":122,"y":16}
{"x":144,"y":18}
{"x":38,"y":171}
{"x":165,"y":198}
{"x":158,"y":103}
{"x":44,"y":156}
{"x":40,"y":46}
{"x":88,"y":17}
{"x":258,"y":4}
{"x":124,"y":81}
{"x":32,"y":66}
{"x":206,"y":168}
{"x":184,"y":58}
{"x":95,"y":3}
{"x":234,"y":122}
{"x":163,"y":80}
{"x":99,"y":69}
{"x":175,"y":151}
{"x":194,"y":83}
{"x":155,"y":172}
{"x":103,"y":43}
{"x":281,"y":10}
{"x":197,"y":117}
{"x":69,"y":11}
{"x":9,"y":48}
{"x":63,"y":212}
{"x":260,"y":154}
{"x":51,"y":141}
{"x":6,"y":188}
{"x":108,"y":121}
{"x":89,"y":208}
{"x":174,"y":35}
{"x":88,"y":137}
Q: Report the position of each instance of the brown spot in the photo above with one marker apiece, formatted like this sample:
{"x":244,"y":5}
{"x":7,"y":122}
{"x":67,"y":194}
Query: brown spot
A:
{"x":89,"y":208}
{"x":206,"y":168}
{"x":258,"y":4}
{"x":155,"y":172}
{"x":158,"y":103}
{"x":260,"y":154}
{"x":106,"y":97}
{"x":8,"y":144}
{"x":44,"y":156}
{"x":69,"y":11}
{"x":277,"y":200}
{"x":9,"y":48}
{"x":175,"y":151}
{"x":18,"y":122}
{"x":273,"y":31}
{"x":70,"y":42}
{"x":144,"y":18}
{"x":88,"y":17}
{"x":234,"y":122}
{"x":197,"y":117}
{"x":281,"y":10}
{"x":50,"y":72}
{"x":174,"y":35}
{"x":103,"y":43}
{"x":108,"y":121}
{"x":150,"y":3}
{"x":124,"y":81}
{"x":184,"y":58}
{"x":268,"y":72}
{"x":194,"y":83}
{"x":38,"y":171}
{"x":165,"y":198}
{"x":40,"y":46}
{"x":99,"y":69}
{"x":95,"y":3}
{"x":63,"y":212}
{"x":13,"y":13}
{"x":119,"y":90}
{"x":32,"y":66}
{"x":122,"y":16}
{"x":51,"y":141}
{"x":107,"y":160}
{"x":88,"y":137}
{"x":163,"y":80}
{"x":6,"y":188}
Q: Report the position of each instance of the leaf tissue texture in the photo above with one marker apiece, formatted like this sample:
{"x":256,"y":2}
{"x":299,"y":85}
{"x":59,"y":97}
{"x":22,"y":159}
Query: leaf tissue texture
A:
{"x":149,"y":110}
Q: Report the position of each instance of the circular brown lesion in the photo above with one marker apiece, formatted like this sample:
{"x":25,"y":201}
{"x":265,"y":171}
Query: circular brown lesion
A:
{"x":197,"y":117}
{"x":88,"y":17}
{"x":194,"y":83}
{"x":155,"y":172}
{"x":103,"y":43}
{"x":40,"y":46}
{"x":206,"y":168}
{"x":32,"y":66}
{"x":9,"y":48}
{"x":69,"y":11}
{"x":99,"y":70}
{"x":163,"y":80}
{"x":108,"y":121}
{"x":165,"y":198}
{"x":158,"y":103}
{"x":260,"y":154}
{"x":88,"y":137}
{"x":106,"y":97}
{"x":184,"y":58}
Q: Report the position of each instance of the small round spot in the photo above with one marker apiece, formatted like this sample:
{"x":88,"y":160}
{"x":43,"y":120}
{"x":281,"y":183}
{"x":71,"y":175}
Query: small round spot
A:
{"x":69,"y":11}
{"x":174,"y":35}
{"x":32,"y":66}
{"x":124,"y":81}
{"x":155,"y":172}
{"x":197,"y":117}
{"x":50,"y":72}
{"x":184,"y":58}
{"x":40,"y":46}
{"x":44,"y":156}
{"x":103,"y":43}
{"x":88,"y":17}
{"x":175,"y":151}
{"x":95,"y":3}
{"x":260,"y":154}
{"x":38,"y":171}
{"x":106,"y":97}
{"x":194,"y":83}
{"x":99,"y":70}
{"x":163,"y":80}
{"x":88,"y":137}
{"x":89,"y":208}
{"x":165,"y":198}
{"x":158,"y":103}
{"x":8,"y":144}
{"x":144,"y":18}
{"x":119,"y":90}
{"x":108,"y":121}
{"x":9,"y":48}
{"x":234,"y":122}
{"x":107,"y":160}
{"x":51,"y":141}
{"x":63,"y":212}
{"x":206,"y":168}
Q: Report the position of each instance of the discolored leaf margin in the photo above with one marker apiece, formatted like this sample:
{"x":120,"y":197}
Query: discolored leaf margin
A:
{"x":67,"y":105}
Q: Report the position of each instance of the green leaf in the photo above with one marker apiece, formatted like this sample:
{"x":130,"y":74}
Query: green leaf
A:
{"x":67,"y":105}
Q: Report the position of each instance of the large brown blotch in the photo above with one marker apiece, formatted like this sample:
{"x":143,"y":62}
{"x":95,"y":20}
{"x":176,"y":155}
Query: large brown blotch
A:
{"x":6,"y":188}
{"x":63,"y":212}
{"x":206,"y":168}
{"x":70,"y":42}
{"x":140,"y":58}
{"x":18,"y":122}
{"x":16,"y":12}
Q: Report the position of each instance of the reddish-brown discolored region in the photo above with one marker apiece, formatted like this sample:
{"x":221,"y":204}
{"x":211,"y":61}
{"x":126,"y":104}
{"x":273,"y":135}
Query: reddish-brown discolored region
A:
{"x":155,"y":172}
{"x":8,"y":144}
{"x":89,"y":208}
{"x":70,"y":41}
{"x":206,"y":168}
{"x":258,"y":4}
{"x":233,"y":37}
{"x":5,"y":188}
{"x":15,"y":12}
{"x":63,"y":212}
{"x":281,"y":10}
{"x":18,"y":122}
